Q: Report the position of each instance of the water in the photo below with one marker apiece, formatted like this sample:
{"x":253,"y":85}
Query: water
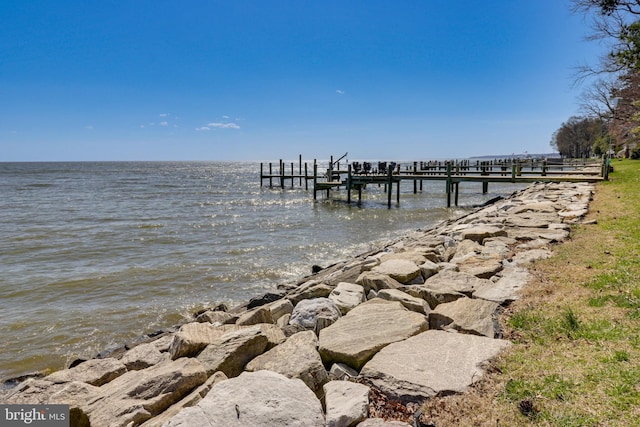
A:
{"x":96,"y":254}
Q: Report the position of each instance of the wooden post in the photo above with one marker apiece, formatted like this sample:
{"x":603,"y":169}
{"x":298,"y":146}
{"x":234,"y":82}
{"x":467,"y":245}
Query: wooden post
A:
{"x":544,"y":168}
{"x":448,"y":185}
{"x":513,"y":172}
{"x":415,"y":181}
{"x":349,"y":184}
{"x":292,"y":175}
{"x":457,"y":188}
{"x":485,"y":187}
{"x":299,"y":169}
{"x":389,"y":190}
{"x":270,"y":176}
{"x":306,"y":179}
{"x":281,"y":174}
{"x":261,"y":173}
{"x":315,"y":179}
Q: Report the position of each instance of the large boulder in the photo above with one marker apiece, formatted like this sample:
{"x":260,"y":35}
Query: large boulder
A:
{"x":297,"y":357}
{"x":480,"y":232}
{"x":95,"y":372}
{"x":507,"y":288}
{"x":309,"y":290}
{"x":482,"y":266}
{"x":192,"y":338}
{"x":431,"y":363}
{"x":347,"y":296}
{"x":142,"y":356}
{"x":371,"y":280}
{"x":409,"y":302}
{"x":372,"y":325}
{"x":262,"y":398}
{"x":231,"y":352}
{"x":466,"y":315}
{"x":454,"y":280}
{"x":434,"y":295}
{"x":260,"y":314}
{"x":347,"y":403}
{"x":402,"y":270}
{"x":313,"y":313}
{"x":136,"y":396}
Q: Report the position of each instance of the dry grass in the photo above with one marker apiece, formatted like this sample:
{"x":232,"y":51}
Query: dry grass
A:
{"x":576,"y":330}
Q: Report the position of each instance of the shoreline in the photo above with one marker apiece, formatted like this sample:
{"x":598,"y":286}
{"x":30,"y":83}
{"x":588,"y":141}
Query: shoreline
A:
{"x":398,"y":279}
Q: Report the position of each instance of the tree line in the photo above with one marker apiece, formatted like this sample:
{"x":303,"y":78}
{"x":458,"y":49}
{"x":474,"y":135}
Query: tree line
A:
{"x":610,"y":102}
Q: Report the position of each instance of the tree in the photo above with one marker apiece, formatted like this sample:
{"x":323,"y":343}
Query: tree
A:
{"x":579,"y":136}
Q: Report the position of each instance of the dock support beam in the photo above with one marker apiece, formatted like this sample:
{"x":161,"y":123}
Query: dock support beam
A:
{"x":389,"y":188}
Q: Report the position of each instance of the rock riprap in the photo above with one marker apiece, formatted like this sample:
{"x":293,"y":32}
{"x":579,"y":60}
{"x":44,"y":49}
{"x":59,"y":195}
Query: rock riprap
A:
{"x":410,"y":320}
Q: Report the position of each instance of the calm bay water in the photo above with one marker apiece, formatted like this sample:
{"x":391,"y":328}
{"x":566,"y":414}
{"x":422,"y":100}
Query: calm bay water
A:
{"x":96,"y":254}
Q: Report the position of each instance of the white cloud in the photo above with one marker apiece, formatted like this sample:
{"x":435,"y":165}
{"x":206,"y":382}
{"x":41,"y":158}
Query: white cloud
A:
{"x":339,"y":92}
{"x":164,"y":115}
{"x":164,"y":123}
{"x":202,"y":128}
{"x":225,"y":117}
{"x":89,"y":127}
{"x":141,"y":126}
{"x":224,"y":125}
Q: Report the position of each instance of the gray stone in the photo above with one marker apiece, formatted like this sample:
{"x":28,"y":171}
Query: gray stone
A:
{"x":137,"y":396}
{"x":371,"y":280}
{"x":481,"y":232}
{"x":434,"y":295}
{"x":340,"y":371}
{"x":347,"y":296}
{"x":507,"y":288}
{"x":428,"y":269}
{"x":531,"y":256}
{"x":409,"y":302}
{"x":431,"y":363}
{"x":231,"y":352}
{"x":220,"y":317}
{"x":193,"y":338}
{"x":307,"y":312}
{"x":297,"y":357}
{"x":262,"y":398}
{"x":142,"y":356}
{"x":402,"y":270}
{"x":457,"y":281}
{"x":309,"y":290}
{"x":95,"y":372}
{"x":280,"y":308}
{"x":356,"y":337}
{"x":191,"y":399}
{"x":347,"y":403}
{"x":413,"y":256}
{"x":261,"y":314}
{"x":467,"y":315}
{"x":482,"y":266}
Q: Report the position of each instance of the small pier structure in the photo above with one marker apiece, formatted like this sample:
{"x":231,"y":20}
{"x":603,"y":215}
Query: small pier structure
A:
{"x":355,"y":176}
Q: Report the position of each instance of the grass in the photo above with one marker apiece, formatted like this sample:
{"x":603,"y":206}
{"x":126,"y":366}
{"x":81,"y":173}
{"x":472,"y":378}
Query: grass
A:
{"x":576,"y":330}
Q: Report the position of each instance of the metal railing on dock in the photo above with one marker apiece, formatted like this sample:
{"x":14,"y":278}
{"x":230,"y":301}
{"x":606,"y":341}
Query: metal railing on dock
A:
{"x":358,"y":175}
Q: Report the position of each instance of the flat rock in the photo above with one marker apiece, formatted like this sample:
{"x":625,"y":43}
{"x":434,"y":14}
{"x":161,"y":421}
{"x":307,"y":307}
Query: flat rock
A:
{"x":481,"y":232}
{"x":136,"y":396}
{"x":347,"y":403}
{"x":430,"y":363}
{"x":297,"y":357}
{"x":413,"y":256}
{"x":507,"y":288}
{"x":526,"y":233}
{"x":429,"y":268}
{"x":409,"y":302}
{"x":192,"y":338}
{"x":231,"y":352}
{"x":260,"y":314}
{"x":280,"y":308}
{"x":142,"y":356}
{"x":347,"y":296}
{"x":482,"y":266}
{"x":371,"y":280}
{"x":216,"y":316}
{"x":372,"y":325}
{"x":531,"y":256}
{"x":308,"y":312}
{"x":435,"y":295}
{"x":402,"y":270}
{"x":381,"y":422}
{"x":262,"y":398}
{"x":454,"y":280}
{"x":94,"y":372}
{"x":309,"y":290}
{"x":466,"y":315}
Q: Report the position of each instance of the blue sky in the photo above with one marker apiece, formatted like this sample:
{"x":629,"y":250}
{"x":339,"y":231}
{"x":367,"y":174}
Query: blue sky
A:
{"x":262,"y":80}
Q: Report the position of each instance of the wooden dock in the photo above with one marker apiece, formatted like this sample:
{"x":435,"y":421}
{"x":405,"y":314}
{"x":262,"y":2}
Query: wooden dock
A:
{"x":356,"y":176}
